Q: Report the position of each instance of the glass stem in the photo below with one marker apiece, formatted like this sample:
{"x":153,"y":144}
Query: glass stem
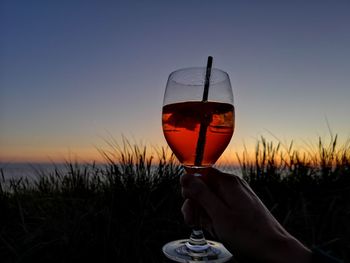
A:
{"x":197,"y":242}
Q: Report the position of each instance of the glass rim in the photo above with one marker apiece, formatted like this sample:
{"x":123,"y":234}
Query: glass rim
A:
{"x":198,"y":68}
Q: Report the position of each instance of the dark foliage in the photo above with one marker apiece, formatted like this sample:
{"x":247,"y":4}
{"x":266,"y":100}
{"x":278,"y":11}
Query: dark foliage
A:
{"x":129,"y":208}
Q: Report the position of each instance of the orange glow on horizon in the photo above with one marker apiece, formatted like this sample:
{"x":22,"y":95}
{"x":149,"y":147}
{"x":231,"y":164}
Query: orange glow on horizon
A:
{"x":246,"y":152}
{"x":51,"y":155}
{"x":89,"y":155}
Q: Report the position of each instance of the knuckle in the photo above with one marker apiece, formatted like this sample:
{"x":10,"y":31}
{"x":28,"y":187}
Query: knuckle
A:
{"x":236,"y":179}
{"x":231,"y":180}
{"x":185,"y":192}
{"x":184,"y":208}
{"x":186,"y":212}
{"x":194,"y":190}
{"x":197,"y":192}
{"x":185,"y":180}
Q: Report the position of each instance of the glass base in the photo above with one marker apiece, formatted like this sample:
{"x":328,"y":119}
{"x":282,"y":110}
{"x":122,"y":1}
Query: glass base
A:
{"x":178,"y":251}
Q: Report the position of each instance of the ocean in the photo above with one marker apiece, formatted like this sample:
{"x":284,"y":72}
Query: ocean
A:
{"x":29,"y":170}
{"x":33,"y":170}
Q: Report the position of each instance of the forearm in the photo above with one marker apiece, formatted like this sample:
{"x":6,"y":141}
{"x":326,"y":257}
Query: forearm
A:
{"x":284,"y":248}
{"x":272,"y":247}
{"x":294,"y":251}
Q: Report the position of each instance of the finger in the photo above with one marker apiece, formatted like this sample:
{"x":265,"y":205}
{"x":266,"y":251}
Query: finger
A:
{"x":195,"y":189}
{"x":187,"y":212}
{"x":224,"y":181}
{"x":205,"y":221}
{"x":189,"y":209}
{"x":227,"y":187}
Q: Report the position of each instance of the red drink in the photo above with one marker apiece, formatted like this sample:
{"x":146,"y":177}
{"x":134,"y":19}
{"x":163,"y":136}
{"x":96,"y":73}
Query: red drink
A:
{"x":181,"y":126}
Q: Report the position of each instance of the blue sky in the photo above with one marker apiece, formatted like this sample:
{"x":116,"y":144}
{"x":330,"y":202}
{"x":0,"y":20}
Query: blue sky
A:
{"x":73,"y":73}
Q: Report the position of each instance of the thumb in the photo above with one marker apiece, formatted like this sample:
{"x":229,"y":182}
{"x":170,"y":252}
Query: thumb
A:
{"x":195,"y":189}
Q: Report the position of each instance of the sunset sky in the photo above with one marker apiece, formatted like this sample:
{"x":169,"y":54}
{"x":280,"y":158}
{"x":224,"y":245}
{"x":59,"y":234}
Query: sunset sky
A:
{"x":74,"y":74}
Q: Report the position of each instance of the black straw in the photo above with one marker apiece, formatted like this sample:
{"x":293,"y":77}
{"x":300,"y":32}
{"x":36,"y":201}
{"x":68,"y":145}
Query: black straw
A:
{"x":204,"y":123}
{"x":207,"y":78}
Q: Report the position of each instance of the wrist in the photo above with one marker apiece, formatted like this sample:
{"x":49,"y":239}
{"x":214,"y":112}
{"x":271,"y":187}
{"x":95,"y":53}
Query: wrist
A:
{"x":290,"y":250}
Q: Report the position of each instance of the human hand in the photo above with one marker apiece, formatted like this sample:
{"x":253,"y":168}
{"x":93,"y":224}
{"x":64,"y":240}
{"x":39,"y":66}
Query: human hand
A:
{"x":235,"y":215}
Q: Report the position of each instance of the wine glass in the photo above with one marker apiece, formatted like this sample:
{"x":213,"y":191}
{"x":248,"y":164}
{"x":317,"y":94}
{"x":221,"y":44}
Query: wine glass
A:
{"x":198,"y":123}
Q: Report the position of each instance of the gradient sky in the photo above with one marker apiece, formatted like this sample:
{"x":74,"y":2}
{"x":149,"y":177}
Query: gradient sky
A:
{"x":75,"y":73}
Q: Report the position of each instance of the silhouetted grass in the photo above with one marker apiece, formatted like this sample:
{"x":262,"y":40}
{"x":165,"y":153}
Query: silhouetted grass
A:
{"x":308,"y":192}
{"x":128,"y":208}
